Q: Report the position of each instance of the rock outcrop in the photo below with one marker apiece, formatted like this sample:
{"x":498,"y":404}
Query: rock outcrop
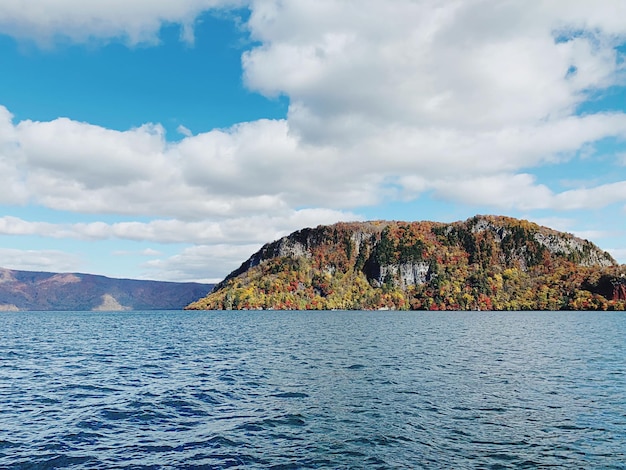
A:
{"x":486,"y":262}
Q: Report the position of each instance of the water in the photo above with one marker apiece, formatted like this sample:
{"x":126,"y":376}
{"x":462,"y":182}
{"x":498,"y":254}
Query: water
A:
{"x":290,"y":390}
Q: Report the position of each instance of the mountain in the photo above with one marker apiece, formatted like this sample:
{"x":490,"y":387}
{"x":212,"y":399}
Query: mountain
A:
{"x":25,"y":290}
{"x":485,"y":262}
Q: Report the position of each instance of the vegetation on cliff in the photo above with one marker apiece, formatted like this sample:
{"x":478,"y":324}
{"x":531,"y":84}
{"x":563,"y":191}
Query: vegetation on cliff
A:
{"x":486,"y":263}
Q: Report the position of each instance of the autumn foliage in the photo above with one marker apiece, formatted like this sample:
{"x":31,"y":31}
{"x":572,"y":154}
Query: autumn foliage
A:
{"x":484,"y":263}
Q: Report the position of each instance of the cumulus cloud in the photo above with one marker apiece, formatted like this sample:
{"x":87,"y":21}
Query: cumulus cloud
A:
{"x":456,"y":94}
{"x":92,"y":155}
{"x":137,"y":21}
{"x":263,"y":167}
{"x":393,"y":99}
{"x":474,"y":64}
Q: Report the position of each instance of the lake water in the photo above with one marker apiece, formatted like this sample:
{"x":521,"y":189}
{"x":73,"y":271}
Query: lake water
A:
{"x":287,"y":390}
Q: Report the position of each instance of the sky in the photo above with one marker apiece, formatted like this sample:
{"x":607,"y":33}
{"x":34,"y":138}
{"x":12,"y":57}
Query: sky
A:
{"x":171,"y":139}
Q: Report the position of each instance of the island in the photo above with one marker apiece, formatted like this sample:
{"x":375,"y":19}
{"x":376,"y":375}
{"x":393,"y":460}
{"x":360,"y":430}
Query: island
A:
{"x":483,"y":263}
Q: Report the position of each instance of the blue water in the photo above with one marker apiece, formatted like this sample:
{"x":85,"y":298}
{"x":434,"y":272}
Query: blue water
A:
{"x":290,"y":390}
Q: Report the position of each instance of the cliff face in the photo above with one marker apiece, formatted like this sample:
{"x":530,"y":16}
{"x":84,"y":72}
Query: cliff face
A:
{"x":486,"y":262}
{"x":25,"y":290}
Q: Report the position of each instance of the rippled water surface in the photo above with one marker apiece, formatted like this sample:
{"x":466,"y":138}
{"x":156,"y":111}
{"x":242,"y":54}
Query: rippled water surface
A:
{"x":312,"y":390}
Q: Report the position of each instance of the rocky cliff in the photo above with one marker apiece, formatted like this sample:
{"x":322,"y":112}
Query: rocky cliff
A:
{"x":486,"y":262}
{"x":25,"y":290}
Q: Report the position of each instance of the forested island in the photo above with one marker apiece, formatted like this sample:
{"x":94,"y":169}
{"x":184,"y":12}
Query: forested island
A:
{"x":483,"y":263}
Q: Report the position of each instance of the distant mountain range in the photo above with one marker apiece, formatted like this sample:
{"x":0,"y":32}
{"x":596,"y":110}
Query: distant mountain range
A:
{"x":483,"y":263}
{"x":25,"y":290}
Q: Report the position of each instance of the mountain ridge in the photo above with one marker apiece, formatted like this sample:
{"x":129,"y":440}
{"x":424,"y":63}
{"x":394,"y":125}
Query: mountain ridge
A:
{"x":42,"y":291}
{"x":486,"y":262}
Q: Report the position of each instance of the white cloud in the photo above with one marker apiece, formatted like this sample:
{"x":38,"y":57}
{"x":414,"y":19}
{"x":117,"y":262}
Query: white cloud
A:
{"x":594,"y":198}
{"x":39,"y":260}
{"x":257,"y":228}
{"x":463,"y":99}
{"x":184,"y":131}
{"x":592,"y":234}
{"x":398,"y":91}
{"x":521,"y":192}
{"x":91,"y":155}
{"x":201,"y":263}
{"x":468,"y":65}
{"x":263,"y":167}
{"x":147,"y":252}
{"x":619,"y":254}
{"x":504,"y":191}
{"x":137,"y":21}
{"x":466,"y":96}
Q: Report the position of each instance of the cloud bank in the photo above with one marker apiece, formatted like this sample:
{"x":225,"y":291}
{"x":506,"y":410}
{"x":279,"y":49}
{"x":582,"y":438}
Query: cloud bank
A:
{"x":393,"y":100}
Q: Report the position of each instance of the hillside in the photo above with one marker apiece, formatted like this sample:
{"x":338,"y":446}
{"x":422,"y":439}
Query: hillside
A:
{"x":486,"y":263}
{"x":25,"y":290}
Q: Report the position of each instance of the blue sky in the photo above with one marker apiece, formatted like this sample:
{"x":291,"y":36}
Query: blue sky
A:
{"x":170,"y":139}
